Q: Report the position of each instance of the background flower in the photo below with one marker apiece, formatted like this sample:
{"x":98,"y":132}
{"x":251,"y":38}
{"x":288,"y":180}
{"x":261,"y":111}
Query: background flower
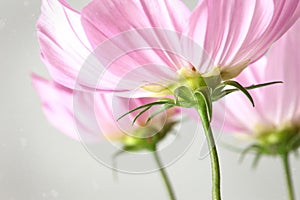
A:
{"x":276,"y":105}
{"x":92,"y":117}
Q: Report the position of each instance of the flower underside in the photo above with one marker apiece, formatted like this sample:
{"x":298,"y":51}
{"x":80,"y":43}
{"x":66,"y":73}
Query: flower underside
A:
{"x":192,"y":90}
{"x":279,"y":140}
{"x":144,"y":139}
{"x":275,"y":141}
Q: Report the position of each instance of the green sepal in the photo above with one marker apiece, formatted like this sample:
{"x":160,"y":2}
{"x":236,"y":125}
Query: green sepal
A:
{"x":240,"y":88}
{"x":282,"y":147}
{"x":184,"y":97}
{"x":219,"y":91}
{"x":246,"y":151}
{"x":217,"y":96}
{"x":147,"y":106}
{"x":257,"y":86}
{"x":140,"y":141}
{"x":159,"y":110}
{"x":204,"y":102}
{"x":262,"y":85}
{"x":142,"y":144}
{"x":256,"y":160}
{"x":296,"y":153}
{"x":140,"y":113}
{"x":255,"y":149}
{"x":295,"y":143}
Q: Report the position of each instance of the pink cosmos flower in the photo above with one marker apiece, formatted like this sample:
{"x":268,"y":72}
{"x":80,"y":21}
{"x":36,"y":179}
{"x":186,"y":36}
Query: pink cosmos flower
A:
{"x":123,"y":35}
{"x":277,"y":111}
{"x":142,"y":46}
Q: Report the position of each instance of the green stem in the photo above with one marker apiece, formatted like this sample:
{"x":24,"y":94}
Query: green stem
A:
{"x":288,"y":176}
{"x":164,"y":176}
{"x":216,"y":175}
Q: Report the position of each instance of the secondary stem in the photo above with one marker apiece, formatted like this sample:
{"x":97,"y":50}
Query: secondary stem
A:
{"x":216,"y":175}
{"x":288,"y":176}
{"x":164,"y":176}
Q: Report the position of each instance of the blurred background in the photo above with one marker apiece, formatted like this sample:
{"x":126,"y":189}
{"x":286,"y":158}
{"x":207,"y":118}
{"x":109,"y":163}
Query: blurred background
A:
{"x":38,"y":162}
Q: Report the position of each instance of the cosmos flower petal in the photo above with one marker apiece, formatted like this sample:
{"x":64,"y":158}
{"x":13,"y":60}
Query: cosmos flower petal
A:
{"x":138,"y":33}
{"x":107,"y":18}
{"x":240,"y":114}
{"x":237,"y":32}
{"x":283,"y":64}
{"x":80,"y":123}
{"x":64,"y":45}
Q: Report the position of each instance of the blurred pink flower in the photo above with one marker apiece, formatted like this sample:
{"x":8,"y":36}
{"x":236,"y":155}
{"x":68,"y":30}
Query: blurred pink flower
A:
{"x":233,"y":33}
{"x":58,"y":106}
{"x":90,"y":117}
{"x":278,"y":106}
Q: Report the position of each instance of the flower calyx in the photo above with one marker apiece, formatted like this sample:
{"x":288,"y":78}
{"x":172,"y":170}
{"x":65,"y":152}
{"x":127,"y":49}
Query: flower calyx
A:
{"x":275,"y":142}
{"x":144,"y":139}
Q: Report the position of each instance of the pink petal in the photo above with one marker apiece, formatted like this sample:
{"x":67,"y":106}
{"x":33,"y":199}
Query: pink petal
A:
{"x":59,"y":103}
{"x":64,"y":45}
{"x":138,"y":33}
{"x":284,"y":57}
{"x":240,"y":115}
{"x":129,"y":74}
{"x":237,"y":31}
{"x":107,"y":18}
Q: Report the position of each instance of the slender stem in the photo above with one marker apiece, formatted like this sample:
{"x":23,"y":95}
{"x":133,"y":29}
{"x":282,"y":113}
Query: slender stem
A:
{"x":288,"y":176}
{"x":164,"y":176}
{"x":216,"y":175}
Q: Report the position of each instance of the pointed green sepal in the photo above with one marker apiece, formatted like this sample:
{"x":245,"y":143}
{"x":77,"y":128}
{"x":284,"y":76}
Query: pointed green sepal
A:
{"x":184,"y":97}
{"x":158,"y":102}
{"x":205,"y":102}
{"x":240,"y":88}
{"x":256,"y":160}
{"x":159,"y":110}
{"x":140,"y":113}
{"x":263,"y":85}
{"x":219,"y":91}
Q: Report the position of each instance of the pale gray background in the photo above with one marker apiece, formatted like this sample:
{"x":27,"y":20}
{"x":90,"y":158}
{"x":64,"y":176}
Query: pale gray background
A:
{"x":38,"y":162}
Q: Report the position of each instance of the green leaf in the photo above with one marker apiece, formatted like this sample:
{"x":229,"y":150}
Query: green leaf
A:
{"x":241,"y":88}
